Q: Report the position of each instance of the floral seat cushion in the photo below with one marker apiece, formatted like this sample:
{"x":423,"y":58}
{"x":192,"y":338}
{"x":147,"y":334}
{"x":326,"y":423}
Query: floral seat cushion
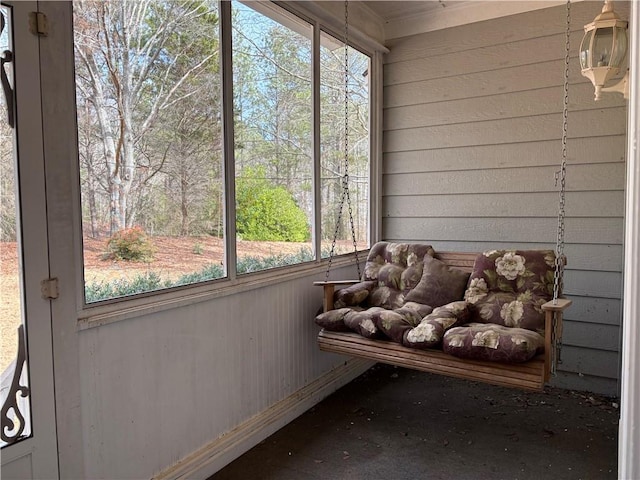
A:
{"x":509,"y":287}
{"x":377,"y":322}
{"x":496,"y":343}
{"x":431,"y":329}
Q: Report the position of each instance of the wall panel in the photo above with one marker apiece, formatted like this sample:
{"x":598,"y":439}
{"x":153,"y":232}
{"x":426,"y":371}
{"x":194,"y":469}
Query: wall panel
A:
{"x":166,"y":383}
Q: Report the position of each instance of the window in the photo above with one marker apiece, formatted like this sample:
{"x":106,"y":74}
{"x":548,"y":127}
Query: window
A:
{"x":150,"y":109}
{"x":149,"y":139}
{"x":338,"y":210}
{"x":273,"y":125}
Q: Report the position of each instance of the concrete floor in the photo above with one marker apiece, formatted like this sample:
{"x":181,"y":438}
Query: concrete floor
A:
{"x":394,"y":424}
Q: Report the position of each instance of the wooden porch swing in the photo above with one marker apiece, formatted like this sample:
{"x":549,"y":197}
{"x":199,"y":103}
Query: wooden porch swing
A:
{"x":529,"y":375}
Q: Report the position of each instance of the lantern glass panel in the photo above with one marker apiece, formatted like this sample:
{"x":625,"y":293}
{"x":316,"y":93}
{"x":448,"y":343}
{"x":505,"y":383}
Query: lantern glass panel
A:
{"x":584,"y":50}
{"x":602,"y":47}
{"x":620,"y":49}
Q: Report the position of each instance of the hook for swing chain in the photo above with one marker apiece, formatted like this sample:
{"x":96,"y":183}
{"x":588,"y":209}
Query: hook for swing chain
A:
{"x":561,"y":176}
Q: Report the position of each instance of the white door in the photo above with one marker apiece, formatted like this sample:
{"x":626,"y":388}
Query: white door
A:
{"x":29,"y":448}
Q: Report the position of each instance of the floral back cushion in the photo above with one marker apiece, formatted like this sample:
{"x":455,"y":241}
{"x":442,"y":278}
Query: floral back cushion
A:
{"x":508,"y":287}
{"x":396,"y":268}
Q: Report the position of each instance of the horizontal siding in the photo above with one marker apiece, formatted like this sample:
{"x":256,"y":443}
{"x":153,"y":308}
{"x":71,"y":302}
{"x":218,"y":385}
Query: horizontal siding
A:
{"x":540,"y":101}
{"x":607,"y":311}
{"x":591,"y":335}
{"x":489,"y":83}
{"x":607,"y":176}
{"x":590,"y":383}
{"x":610,"y":121}
{"x":608,"y":203}
{"x":471,"y":147}
{"x":587,"y":283}
{"x":504,"y":30}
{"x":588,"y":230}
{"x":593,"y":149}
{"x":590,"y":361}
{"x":490,"y":57}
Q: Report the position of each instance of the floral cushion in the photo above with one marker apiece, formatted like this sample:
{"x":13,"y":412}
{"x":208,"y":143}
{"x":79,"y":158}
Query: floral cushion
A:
{"x":334,"y":319}
{"x":361,"y":321}
{"x":439,"y":284}
{"x":508,"y":287}
{"x":397,"y":269}
{"x":429,"y":332}
{"x":353,"y":294}
{"x":394,"y":323}
{"x":493,"y":342}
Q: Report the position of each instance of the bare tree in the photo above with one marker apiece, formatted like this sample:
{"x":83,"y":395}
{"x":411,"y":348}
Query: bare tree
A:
{"x":132,"y":65}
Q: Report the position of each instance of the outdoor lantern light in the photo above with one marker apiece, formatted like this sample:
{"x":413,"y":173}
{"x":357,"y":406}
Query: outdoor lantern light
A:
{"x":603,"y":49}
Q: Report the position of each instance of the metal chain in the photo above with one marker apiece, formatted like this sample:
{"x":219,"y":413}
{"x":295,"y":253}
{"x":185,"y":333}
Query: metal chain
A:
{"x":561,"y":175}
{"x":345,"y":178}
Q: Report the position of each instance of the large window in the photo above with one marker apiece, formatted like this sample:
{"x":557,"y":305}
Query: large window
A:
{"x":273,"y":123}
{"x":344,"y":146}
{"x":149,"y":138}
{"x":150,"y":103}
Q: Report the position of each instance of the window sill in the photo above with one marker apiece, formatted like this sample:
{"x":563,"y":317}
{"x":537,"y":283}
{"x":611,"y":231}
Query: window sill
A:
{"x":99,"y":315}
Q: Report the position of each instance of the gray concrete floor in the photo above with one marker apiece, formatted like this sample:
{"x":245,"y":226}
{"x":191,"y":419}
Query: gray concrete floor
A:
{"x":394,"y":424}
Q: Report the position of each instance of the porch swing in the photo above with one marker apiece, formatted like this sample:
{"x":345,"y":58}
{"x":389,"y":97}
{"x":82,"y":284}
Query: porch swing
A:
{"x":388,"y":314}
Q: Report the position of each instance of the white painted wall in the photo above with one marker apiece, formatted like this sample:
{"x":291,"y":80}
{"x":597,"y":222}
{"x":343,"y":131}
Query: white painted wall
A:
{"x":472,"y":129}
{"x":158,"y":387}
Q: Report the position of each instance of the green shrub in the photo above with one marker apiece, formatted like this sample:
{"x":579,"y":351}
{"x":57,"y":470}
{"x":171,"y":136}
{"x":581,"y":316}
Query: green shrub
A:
{"x":267,"y":212}
{"x":130,"y":244}
{"x":96,"y":291}
{"x":254,"y":264}
{"x":210,"y":272}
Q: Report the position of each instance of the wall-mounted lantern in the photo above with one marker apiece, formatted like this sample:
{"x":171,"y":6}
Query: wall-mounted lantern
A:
{"x":603,"y":49}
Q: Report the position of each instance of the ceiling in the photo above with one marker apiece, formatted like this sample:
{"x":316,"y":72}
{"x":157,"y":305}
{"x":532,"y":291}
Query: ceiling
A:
{"x":393,"y":10}
{"x":401,"y":18}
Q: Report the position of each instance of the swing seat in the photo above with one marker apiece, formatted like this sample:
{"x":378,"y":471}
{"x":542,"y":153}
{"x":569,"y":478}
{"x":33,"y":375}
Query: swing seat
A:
{"x":488,"y":317}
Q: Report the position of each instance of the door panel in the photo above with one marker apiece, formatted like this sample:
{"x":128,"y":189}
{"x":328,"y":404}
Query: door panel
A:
{"x":34,"y":455}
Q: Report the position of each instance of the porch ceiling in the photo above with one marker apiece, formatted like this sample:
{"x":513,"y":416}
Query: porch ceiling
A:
{"x":403,"y":18}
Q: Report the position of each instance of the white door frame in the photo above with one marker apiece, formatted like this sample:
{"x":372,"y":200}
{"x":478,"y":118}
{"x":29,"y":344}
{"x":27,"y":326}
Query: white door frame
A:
{"x":62,"y":179}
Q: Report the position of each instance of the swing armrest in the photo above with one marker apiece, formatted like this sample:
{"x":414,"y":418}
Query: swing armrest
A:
{"x":329,"y":289}
{"x":551,"y":309}
{"x":557,"y":306}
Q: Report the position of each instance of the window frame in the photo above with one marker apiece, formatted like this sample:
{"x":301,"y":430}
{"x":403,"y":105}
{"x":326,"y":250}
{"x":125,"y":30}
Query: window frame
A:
{"x":111,"y":310}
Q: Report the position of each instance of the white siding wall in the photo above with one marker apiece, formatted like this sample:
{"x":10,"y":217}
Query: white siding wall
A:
{"x":472,"y":129}
{"x":158,"y":387}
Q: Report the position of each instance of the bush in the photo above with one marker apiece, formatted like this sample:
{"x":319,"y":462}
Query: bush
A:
{"x":94,"y":292}
{"x":255,"y":264}
{"x":210,"y":272}
{"x":267,"y":212}
{"x":130,"y":244}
